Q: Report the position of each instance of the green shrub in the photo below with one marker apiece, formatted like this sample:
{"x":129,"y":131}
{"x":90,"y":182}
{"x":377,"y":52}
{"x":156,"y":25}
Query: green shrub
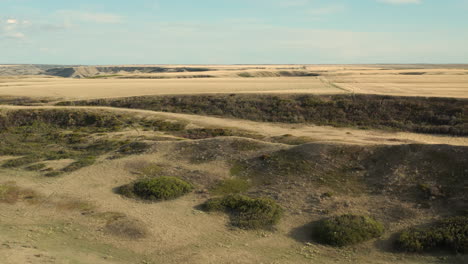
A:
{"x":161,"y":188}
{"x":449,"y":234}
{"x":346,"y":230}
{"x":231,"y":186}
{"x":246,"y":212}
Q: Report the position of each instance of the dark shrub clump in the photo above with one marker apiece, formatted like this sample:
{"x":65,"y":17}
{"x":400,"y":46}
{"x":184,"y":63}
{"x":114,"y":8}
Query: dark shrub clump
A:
{"x":246,"y":212}
{"x":161,"y":188}
{"x":449,"y":234}
{"x":347,"y":230}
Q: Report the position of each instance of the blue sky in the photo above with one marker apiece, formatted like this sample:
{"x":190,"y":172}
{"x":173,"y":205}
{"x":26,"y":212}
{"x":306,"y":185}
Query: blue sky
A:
{"x":233,"y":31}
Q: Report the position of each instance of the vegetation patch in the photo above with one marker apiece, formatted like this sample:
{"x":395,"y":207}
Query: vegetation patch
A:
{"x":231,"y":186}
{"x":42,"y":135}
{"x":36,"y":167}
{"x":10,"y":193}
{"x":157,"y":189}
{"x":22,"y":100}
{"x":203,"y":133}
{"x":246,"y":212}
{"x":346,"y":230}
{"x":292,"y":140}
{"x":15,"y":163}
{"x":103,"y":76}
{"x":450,"y":234}
{"x":126,"y":228}
{"x":80,"y":163}
{"x":414,"y":114}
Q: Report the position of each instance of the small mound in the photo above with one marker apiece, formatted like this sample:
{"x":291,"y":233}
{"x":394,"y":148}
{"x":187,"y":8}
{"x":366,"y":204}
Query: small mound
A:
{"x":161,"y":188}
{"x":246,"y":212}
{"x":126,"y":228}
{"x":347,"y":230}
{"x":449,"y":234}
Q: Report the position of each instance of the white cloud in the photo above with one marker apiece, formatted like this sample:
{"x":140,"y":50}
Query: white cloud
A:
{"x":12,"y":27}
{"x":12,"y":21}
{"x":105,"y":18}
{"x":401,"y":2}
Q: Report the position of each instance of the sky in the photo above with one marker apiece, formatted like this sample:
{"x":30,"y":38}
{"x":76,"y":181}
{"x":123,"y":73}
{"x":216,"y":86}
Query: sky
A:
{"x":103,"y":32}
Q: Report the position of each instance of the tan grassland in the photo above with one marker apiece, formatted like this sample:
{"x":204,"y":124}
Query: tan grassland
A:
{"x":65,"y":221}
{"x":387,"y":80}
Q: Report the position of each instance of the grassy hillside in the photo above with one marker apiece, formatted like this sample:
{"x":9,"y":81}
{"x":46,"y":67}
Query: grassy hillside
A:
{"x":414,"y":114}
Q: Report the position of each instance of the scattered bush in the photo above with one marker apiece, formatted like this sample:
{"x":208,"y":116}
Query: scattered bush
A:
{"x":246,"y":212}
{"x":449,"y":234}
{"x":231,"y":186}
{"x":36,"y":167}
{"x":161,"y":188}
{"x":346,"y":230}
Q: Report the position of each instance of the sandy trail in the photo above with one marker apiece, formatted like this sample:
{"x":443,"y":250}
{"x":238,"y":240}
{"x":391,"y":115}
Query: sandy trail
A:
{"x":316,"y":133}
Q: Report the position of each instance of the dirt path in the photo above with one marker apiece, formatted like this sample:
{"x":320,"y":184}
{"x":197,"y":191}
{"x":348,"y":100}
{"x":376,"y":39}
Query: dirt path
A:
{"x":316,"y":133}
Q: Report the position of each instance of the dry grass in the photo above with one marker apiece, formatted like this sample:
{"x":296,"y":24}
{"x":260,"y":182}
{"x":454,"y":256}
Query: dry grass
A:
{"x":403,"y":80}
{"x":10,"y":193}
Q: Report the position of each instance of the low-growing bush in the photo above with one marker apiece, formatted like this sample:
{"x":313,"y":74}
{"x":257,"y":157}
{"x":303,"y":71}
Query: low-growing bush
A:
{"x":161,"y":188}
{"x":449,"y":234}
{"x":246,"y":212}
{"x":346,"y":230}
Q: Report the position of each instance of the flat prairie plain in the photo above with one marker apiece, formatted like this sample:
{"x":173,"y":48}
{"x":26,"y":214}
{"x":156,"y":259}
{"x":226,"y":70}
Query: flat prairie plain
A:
{"x":398,"y":80}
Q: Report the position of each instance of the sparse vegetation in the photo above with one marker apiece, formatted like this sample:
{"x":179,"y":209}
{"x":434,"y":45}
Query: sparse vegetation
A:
{"x":450,"y":234}
{"x":10,"y":193}
{"x":231,"y":186}
{"x":126,"y":228}
{"x":422,"y":115}
{"x":161,"y":188}
{"x":346,"y":230}
{"x":36,"y":167}
{"x":246,"y":212}
{"x":103,"y":76}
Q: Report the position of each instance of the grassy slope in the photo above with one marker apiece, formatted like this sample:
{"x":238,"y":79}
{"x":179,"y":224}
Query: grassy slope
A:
{"x":358,"y":179}
{"x":422,"y":115}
